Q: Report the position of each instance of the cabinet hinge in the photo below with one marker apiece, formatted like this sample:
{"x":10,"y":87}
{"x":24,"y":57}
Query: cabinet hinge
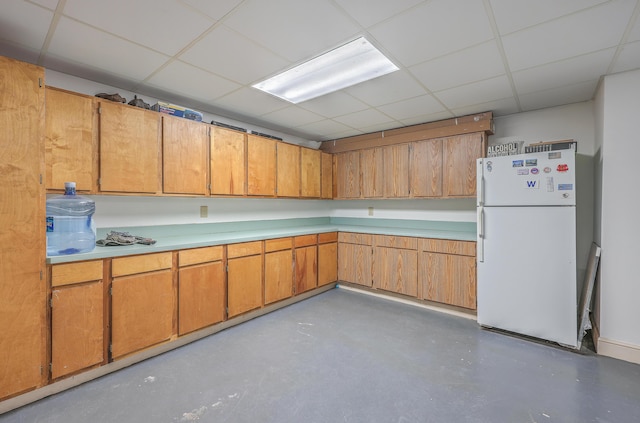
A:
{"x":99,"y":110}
{"x":99,"y":181}
{"x":51,"y":302}
{"x":227,"y":268}
{"x":51,"y":367}
{"x":110,"y":348}
{"x":41,"y":179}
{"x":40,"y":82}
{"x":41,"y":275}
{"x":111,"y":291}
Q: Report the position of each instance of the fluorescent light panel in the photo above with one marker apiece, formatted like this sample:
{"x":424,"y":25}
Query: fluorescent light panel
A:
{"x":347,"y":65}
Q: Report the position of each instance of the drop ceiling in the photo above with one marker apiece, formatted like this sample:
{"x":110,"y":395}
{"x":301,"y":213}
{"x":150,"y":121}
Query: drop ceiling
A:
{"x":456,"y":57}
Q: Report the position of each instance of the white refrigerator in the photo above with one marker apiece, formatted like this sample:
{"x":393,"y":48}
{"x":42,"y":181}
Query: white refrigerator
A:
{"x":526,"y":250}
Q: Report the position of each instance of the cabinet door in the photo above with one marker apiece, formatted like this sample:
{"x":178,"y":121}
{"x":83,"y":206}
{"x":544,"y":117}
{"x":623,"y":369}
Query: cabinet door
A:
{"x":201,"y":296}
{"x":77,"y":328}
{"x":449,"y":279}
{"x":348,"y":174}
{"x":425,"y":168}
{"x":185,"y":163}
{"x":228,"y":162}
{"x":261,"y":166}
{"x":278,"y":276}
{"x":288,"y":172}
{"x":396,"y":171}
{"x":327,"y":176}
{"x":460,"y":154}
{"x":142,"y":311}
{"x":310,"y":168}
{"x":306,"y":272}
{"x":396,"y":270}
{"x":244,"y":284}
{"x":22,"y":238}
{"x":372,"y":168}
{"x":129,"y":149}
{"x":327,"y":263}
{"x":354,"y":263}
{"x":70,"y":140}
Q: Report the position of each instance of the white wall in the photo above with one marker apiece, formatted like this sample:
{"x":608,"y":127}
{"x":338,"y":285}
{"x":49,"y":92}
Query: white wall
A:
{"x":620,"y":226}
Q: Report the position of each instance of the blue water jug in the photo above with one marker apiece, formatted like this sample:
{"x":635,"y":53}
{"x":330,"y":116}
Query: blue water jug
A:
{"x":70,"y":228}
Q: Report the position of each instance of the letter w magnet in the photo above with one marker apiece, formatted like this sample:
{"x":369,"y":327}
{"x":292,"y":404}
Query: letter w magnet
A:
{"x":535,"y":184}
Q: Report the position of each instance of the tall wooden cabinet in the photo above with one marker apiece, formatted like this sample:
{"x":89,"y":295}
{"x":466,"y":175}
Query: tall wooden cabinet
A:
{"x":310,"y":173}
{"x":425,"y":168}
{"x":372,"y":169}
{"x":129,"y":149}
{"x":288,"y":170}
{"x":228,"y":162}
{"x":396,"y":171}
{"x":22,"y":238}
{"x":348,"y":174}
{"x":261,"y":166}
{"x":71,"y":140}
{"x":459,"y":164}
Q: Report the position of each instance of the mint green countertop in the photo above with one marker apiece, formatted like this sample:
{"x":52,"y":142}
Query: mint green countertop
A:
{"x":178,"y":237}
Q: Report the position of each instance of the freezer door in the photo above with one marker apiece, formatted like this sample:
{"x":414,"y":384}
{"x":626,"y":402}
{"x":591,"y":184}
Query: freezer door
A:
{"x":527,"y":280}
{"x":528,"y":179}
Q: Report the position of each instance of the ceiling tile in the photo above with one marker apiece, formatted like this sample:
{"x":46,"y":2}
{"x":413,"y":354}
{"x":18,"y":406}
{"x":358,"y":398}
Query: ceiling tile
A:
{"x":433,"y":29}
{"x":190,"y":81}
{"x":24,"y":24}
{"x":76,"y":42}
{"x":49,"y":4}
{"x":251,"y":102}
{"x":228,"y":54}
{"x":565,"y":72}
{"x":505,"y":106}
{"x":469,"y":65}
{"x":594,"y":29}
{"x":214,"y":9}
{"x":417,"y":106}
{"x":416,"y":120}
{"x":382,"y":126}
{"x":292,"y":116}
{"x":634,"y":34}
{"x":296,"y":30}
{"x":329,"y":129}
{"x":363,"y":118}
{"x":513,"y":15}
{"x":368,"y":13}
{"x":386,"y":89}
{"x":476,"y":93}
{"x":334,"y":104}
{"x":163,"y":25}
{"x":629,"y":58}
{"x":558,"y":96}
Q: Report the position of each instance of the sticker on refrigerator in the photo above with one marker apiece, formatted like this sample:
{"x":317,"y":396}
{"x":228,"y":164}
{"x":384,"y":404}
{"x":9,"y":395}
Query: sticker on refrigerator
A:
{"x":555,"y":155}
{"x":547,"y":169}
{"x":532,"y":184}
{"x":550,"y":186}
{"x":523,"y":171}
{"x":517,"y":163}
{"x":535,"y":171}
{"x":565,"y":187}
{"x":489,"y":166}
{"x":531,"y":162}
{"x":563,"y":168}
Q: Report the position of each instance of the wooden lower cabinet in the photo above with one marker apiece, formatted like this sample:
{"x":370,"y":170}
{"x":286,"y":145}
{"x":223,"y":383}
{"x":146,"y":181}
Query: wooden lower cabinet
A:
{"x":77,"y":317}
{"x":143,"y":302}
{"x":448,"y":272}
{"x":396,"y":270}
{"x":355,"y":258}
{"x":201,"y":288}
{"x":306,"y":262}
{"x":244,"y":277}
{"x":327,"y":258}
{"x":278,"y":270}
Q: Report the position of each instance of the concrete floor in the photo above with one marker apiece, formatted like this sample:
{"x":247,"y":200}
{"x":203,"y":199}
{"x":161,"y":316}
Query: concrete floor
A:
{"x":348,"y":357}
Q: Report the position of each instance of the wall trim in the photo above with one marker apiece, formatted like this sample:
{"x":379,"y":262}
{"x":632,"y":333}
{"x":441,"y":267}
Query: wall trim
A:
{"x":618,"y":349}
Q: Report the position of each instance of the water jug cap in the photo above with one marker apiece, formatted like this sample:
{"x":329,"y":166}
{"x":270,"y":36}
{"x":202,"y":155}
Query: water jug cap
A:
{"x":69,"y":185}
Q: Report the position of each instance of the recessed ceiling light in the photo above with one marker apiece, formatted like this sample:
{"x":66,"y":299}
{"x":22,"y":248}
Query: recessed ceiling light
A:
{"x":347,"y":65}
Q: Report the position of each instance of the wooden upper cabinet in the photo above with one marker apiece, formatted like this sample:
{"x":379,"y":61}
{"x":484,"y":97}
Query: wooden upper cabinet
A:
{"x":71,"y":140}
{"x":228,"y":162}
{"x":288,"y":169}
{"x":261,"y":166}
{"x":326,"y":185}
{"x":185,"y":145}
{"x":459,"y":160}
{"x":396,"y":171}
{"x":348,"y":174}
{"x":425,"y":168}
{"x":372,"y":168}
{"x":310,"y":173}
{"x":129,"y":149}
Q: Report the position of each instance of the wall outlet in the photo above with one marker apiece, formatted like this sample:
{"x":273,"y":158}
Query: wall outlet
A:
{"x":370,"y":211}
{"x":204,"y":211}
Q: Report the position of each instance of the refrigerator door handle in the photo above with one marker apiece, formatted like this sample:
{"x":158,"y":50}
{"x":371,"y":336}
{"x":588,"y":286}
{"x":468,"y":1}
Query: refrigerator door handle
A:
{"x":480,"y":182}
{"x":480,"y":243}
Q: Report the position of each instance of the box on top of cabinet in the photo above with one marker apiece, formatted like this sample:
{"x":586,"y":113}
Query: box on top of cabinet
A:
{"x":179,"y":111}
